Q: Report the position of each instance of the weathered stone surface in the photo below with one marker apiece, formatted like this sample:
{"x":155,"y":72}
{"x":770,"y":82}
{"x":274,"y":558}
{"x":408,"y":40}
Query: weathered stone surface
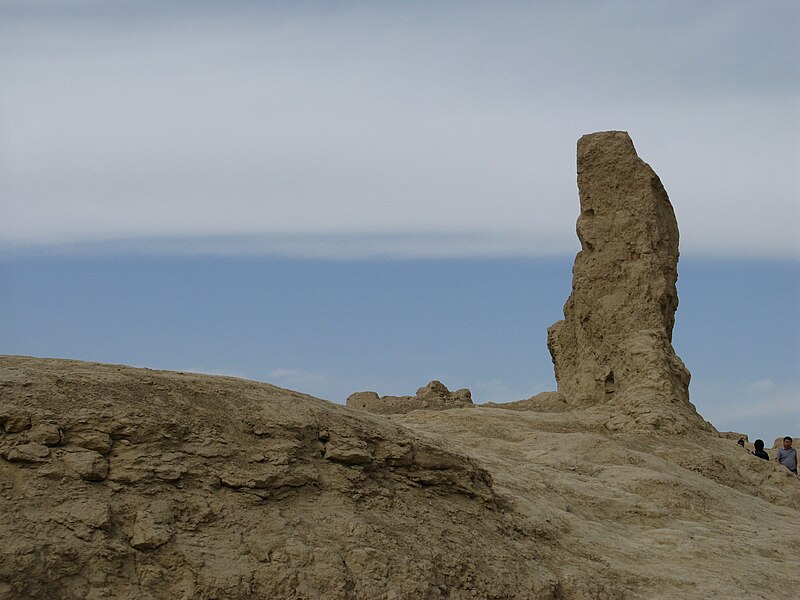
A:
{"x":149,"y":531}
{"x":91,"y":440}
{"x":614,"y":345}
{"x":208,"y":467}
{"x":224,"y":488}
{"x":16,"y":422}
{"x":434,"y":396}
{"x":48,"y":434}
{"x":30,"y":452}
{"x":90,"y":465}
{"x":93,"y":514}
{"x":363,"y":399}
{"x":348,"y":450}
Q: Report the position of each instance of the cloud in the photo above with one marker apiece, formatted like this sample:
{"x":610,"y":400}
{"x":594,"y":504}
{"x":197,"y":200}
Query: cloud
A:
{"x":761,"y":387}
{"x":336,"y":246}
{"x":297,"y":377}
{"x":137,"y":122}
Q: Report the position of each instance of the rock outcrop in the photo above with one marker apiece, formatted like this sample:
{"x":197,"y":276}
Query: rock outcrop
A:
{"x":129,"y":483}
{"x":434,"y":396}
{"x":614,"y":346}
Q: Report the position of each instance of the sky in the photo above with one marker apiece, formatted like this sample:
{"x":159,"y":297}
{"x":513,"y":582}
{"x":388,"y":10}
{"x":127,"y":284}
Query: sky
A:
{"x":370,"y":195}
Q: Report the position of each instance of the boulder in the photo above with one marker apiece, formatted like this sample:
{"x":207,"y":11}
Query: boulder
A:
{"x":87,"y":464}
{"x":48,"y":434}
{"x":31,"y":452}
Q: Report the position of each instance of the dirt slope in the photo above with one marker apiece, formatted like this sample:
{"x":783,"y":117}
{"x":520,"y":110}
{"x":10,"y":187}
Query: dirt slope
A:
{"x":129,"y":483}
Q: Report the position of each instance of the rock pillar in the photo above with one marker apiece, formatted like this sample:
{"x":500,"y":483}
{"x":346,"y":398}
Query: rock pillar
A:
{"x":614,"y":345}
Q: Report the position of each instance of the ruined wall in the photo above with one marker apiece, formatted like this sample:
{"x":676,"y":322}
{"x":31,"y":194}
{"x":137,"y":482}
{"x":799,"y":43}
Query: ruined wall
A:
{"x":434,"y":396}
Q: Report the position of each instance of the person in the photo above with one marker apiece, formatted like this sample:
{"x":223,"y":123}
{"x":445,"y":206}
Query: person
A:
{"x":741,"y":442}
{"x":759,"y":450}
{"x":787,"y":456}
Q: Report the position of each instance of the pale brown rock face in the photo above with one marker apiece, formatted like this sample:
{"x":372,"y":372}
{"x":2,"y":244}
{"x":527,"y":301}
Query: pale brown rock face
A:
{"x":614,"y":345}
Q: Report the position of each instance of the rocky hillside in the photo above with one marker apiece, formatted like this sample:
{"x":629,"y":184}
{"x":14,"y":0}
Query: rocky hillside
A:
{"x":130,"y":483}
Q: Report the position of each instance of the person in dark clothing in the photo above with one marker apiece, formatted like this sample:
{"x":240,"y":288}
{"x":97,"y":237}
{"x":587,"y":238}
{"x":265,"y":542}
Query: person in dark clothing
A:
{"x":759,"y":450}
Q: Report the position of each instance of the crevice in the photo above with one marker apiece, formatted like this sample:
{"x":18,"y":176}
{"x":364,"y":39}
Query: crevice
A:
{"x":610,"y":384}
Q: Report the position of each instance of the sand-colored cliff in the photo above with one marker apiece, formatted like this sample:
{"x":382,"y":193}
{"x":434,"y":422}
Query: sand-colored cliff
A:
{"x":129,"y":483}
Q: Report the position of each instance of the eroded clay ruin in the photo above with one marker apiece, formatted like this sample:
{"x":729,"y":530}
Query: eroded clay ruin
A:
{"x":614,"y":345}
{"x":434,"y":396}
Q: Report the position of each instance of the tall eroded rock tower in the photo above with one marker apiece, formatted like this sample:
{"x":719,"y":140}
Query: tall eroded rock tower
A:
{"x":614,"y":346}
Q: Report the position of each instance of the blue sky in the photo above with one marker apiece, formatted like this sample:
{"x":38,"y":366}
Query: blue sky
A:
{"x":330,"y":328}
{"x":372,"y":195}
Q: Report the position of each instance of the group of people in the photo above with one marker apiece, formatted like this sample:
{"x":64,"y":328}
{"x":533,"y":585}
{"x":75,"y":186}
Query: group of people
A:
{"x":786,"y":456}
